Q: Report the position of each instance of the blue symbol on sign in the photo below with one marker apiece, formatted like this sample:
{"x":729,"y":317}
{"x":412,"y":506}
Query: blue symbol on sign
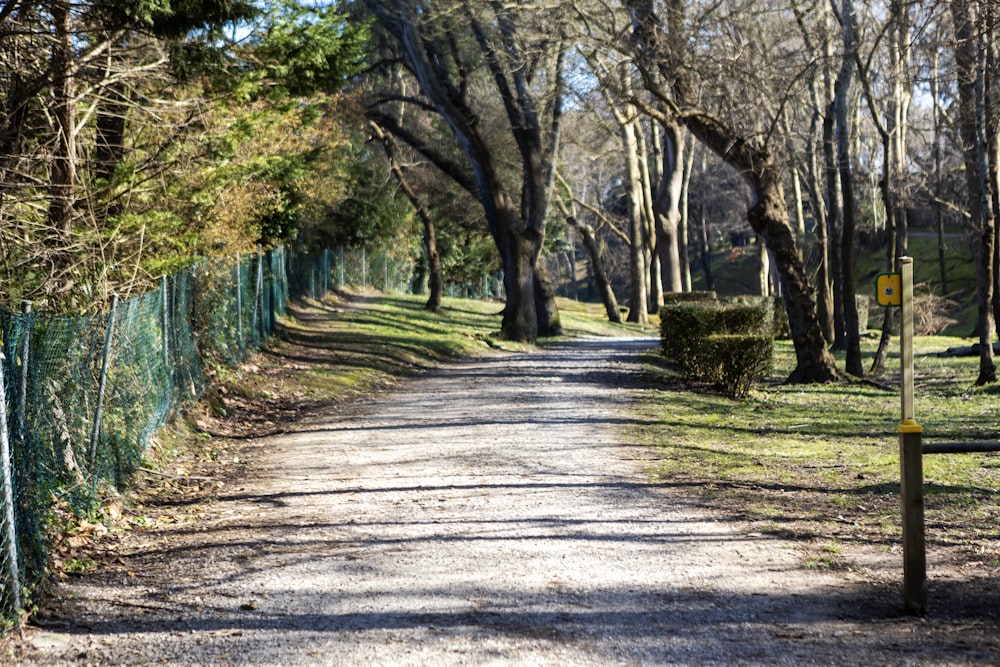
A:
{"x":889,"y":291}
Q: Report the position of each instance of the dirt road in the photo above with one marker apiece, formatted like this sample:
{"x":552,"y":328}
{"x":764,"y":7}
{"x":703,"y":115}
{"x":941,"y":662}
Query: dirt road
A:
{"x":489,"y":512}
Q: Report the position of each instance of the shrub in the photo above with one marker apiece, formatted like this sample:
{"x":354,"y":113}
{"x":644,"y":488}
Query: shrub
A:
{"x":738,"y":361}
{"x":728,"y":344}
{"x":780,"y":325}
{"x":931,"y":313}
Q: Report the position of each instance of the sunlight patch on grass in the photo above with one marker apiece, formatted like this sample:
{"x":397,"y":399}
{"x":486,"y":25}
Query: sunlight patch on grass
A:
{"x":820,"y":462}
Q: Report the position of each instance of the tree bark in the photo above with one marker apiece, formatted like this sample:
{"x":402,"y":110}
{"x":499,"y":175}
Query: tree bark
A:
{"x":62,"y":188}
{"x":972,"y":131}
{"x":600,"y":275}
{"x":683,"y":237}
{"x":638,"y":303}
{"x":666,"y":206}
{"x":852,"y":337}
{"x":834,"y":226}
{"x":654,"y":286}
{"x":937,"y":136}
{"x":429,"y":237}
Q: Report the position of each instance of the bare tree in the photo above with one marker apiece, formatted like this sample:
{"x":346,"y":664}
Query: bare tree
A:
{"x":849,"y":29}
{"x":634,"y":182}
{"x":891,"y":126}
{"x":520,"y":50}
{"x":431,"y":254}
{"x":969,"y":17}
{"x":672,"y":83}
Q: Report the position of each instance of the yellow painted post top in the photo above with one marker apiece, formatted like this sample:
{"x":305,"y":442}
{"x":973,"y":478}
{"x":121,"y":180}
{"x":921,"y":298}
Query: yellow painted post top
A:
{"x":910,"y":426}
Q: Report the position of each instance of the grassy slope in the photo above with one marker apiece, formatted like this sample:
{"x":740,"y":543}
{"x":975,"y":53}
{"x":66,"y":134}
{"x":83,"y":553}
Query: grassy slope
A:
{"x":735,"y":272}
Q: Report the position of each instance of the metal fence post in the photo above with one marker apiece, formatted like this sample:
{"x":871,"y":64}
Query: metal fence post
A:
{"x":102,"y":385}
{"x":10,"y":530}
{"x":22,"y":398}
{"x":165,"y":324}
{"x":21,"y":405}
{"x":239,"y":302}
{"x":258,"y":293}
{"x":340,"y":266}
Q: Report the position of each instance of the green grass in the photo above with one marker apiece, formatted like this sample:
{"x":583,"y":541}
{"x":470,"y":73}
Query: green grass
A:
{"x":820,"y":462}
{"x":347,"y":345}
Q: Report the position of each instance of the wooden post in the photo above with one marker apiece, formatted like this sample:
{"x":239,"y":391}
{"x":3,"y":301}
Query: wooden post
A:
{"x":911,"y":460}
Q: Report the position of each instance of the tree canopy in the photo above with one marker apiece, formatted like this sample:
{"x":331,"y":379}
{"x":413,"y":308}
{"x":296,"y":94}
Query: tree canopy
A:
{"x":137,"y":136}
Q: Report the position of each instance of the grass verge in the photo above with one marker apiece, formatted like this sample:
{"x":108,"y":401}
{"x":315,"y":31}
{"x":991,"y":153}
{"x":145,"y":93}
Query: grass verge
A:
{"x":819,"y":463}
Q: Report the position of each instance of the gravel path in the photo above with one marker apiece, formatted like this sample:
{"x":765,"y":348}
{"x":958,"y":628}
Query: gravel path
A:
{"x":489,"y":512}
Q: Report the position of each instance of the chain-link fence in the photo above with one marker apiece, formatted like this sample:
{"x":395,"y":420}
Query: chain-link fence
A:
{"x":80,"y":397}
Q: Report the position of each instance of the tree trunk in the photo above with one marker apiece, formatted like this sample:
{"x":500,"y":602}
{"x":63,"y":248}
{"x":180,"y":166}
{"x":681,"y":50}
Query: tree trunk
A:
{"x":685,"y":218}
{"x":705,"y":256}
{"x":824,"y":296}
{"x":637,"y":311}
{"x":769,"y":217}
{"x":109,"y":152}
{"x":546,"y":311}
{"x":972,"y":133}
{"x":597,"y":265}
{"x":763,"y":269}
{"x":667,"y":207}
{"x":938,"y":206}
{"x":991,"y":117}
{"x":894,"y":159}
{"x":62,"y":189}
{"x":520,"y":321}
{"x":834,"y":218}
{"x":852,"y":337}
{"x":653,"y":282}
{"x":434,"y":281}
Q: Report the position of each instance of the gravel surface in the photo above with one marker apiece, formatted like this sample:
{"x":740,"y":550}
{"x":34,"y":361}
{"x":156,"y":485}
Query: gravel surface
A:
{"x":489,"y":512}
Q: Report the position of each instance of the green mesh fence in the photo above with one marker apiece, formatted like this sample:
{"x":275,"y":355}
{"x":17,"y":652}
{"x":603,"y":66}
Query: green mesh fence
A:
{"x":82,"y":396}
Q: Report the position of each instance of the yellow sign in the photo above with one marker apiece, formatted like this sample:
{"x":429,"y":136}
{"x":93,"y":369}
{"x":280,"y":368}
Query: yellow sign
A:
{"x":888,"y":289}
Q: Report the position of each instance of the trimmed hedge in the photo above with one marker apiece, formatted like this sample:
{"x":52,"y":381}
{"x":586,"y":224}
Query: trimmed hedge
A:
{"x":739,"y":361}
{"x":671,"y":298}
{"x":782,"y":329}
{"x":728,"y":344}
